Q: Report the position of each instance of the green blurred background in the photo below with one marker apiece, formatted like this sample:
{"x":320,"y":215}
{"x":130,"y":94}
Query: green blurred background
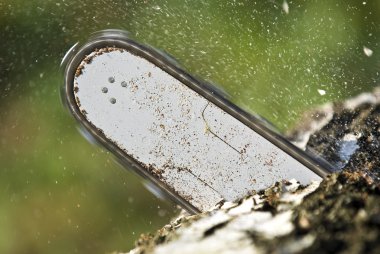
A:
{"x":60,"y":194}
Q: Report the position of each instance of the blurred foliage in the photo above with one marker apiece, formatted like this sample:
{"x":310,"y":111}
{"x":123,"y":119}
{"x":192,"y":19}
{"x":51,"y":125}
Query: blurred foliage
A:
{"x":60,"y":194}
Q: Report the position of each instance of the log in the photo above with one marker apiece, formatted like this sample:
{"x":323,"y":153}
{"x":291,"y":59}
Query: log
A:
{"x":340,"y":214}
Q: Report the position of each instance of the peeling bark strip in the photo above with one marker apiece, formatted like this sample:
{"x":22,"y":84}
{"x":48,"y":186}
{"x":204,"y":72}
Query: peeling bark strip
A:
{"x":339,"y":215}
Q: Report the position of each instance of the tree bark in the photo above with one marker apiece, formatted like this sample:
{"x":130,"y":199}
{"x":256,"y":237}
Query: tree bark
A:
{"x":341,"y":214}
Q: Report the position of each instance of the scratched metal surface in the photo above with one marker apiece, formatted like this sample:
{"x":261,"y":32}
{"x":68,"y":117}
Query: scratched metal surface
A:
{"x":200,"y":152}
